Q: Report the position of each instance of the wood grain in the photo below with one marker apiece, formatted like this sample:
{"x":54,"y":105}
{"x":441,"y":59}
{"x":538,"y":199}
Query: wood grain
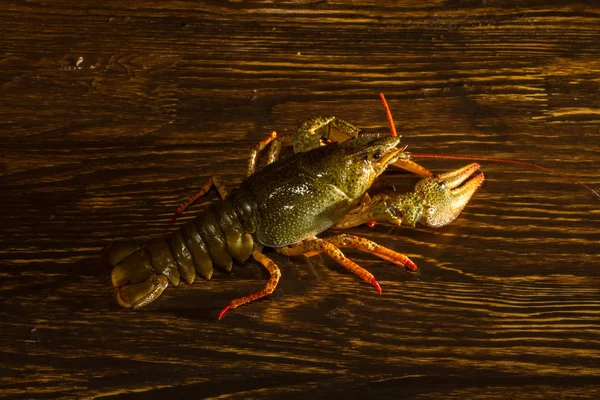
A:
{"x":506,"y":301}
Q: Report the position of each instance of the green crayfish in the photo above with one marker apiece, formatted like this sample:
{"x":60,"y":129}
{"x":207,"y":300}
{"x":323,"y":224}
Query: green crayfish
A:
{"x":285,"y":206}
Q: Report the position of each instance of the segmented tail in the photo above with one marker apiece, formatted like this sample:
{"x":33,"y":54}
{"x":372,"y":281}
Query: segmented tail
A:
{"x":216,"y":236}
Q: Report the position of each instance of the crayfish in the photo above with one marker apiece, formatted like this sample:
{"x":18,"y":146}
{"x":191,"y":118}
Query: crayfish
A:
{"x":286,"y":204}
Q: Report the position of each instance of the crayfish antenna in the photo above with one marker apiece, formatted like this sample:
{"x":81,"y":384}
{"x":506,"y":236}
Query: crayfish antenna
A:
{"x":503,"y":161}
{"x":388,"y":114}
{"x":403,"y":163}
{"x":413,"y":167}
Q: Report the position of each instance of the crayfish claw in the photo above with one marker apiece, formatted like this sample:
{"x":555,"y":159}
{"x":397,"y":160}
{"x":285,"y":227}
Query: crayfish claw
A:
{"x":444,"y":197}
{"x":317,"y":131}
{"x":452,"y":179}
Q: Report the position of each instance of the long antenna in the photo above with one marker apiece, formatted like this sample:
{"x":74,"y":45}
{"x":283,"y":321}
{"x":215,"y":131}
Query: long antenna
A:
{"x":388,"y":113}
{"x":502,"y":161}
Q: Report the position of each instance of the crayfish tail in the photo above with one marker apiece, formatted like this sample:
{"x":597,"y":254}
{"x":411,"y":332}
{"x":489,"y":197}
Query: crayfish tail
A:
{"x":140,"y":294}
{"x":114,"y":253}
{"x":141,"y":272}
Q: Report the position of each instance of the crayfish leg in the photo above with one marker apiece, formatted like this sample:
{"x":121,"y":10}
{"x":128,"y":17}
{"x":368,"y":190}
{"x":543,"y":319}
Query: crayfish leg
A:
{"x":315,"y":246}
{"x":370,"y":210}
{"x":215,"y":181}
{"x":345,"y":240}
{"x":316,"y":131}
{"x":274,"y":150}
{"x":311,"y":133}
{"x":269,"y":287}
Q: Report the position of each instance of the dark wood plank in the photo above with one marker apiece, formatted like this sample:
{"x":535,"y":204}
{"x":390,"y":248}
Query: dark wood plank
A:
{"x":506,"y":301}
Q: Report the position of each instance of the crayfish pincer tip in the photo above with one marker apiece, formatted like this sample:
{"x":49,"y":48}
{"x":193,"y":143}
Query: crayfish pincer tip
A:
{"x":376,"y":285}
{"x":224,"y":311}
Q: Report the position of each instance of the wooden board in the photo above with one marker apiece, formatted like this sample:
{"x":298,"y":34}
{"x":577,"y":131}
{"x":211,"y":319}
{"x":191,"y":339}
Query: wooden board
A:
{"x":506,"y":300}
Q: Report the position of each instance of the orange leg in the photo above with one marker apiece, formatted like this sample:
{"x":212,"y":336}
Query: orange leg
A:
{"x":272,"y":156}
{"x":269,"y":287}
{"x":311,"y":247}
{"x":274,"y":151}
{"x":367,"y":245}
{"x":213,"y":180}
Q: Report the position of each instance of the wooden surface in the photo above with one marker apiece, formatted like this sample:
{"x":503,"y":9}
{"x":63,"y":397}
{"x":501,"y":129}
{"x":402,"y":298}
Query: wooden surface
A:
{"x":506,"y":301}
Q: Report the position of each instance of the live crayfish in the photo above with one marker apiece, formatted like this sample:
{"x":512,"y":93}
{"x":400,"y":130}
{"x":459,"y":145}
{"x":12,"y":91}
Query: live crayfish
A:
{"x":285,"y":205}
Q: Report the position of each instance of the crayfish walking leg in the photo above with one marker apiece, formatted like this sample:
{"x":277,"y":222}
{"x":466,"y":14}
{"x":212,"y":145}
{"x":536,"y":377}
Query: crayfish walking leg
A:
{"x":329,"y":246}
{"x":210,"y":182}
{"x":275,"y":274}
{"x":311,"y":133}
